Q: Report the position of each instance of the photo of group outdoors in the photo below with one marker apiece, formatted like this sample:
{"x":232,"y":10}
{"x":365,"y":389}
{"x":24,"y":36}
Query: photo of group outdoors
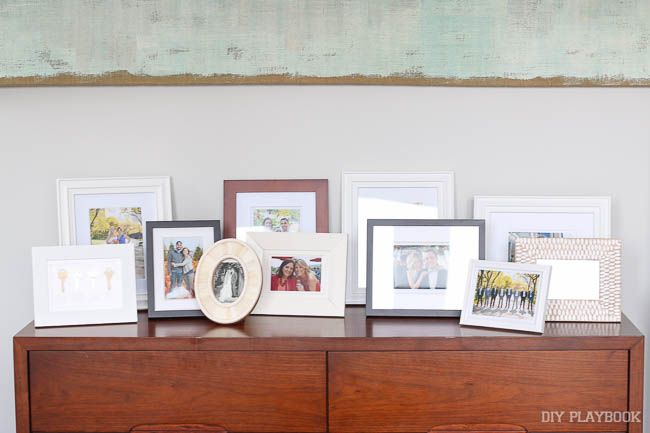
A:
{"x":119,"y":225}
{"x":228,"y":281}
{"x":181,"y":256}
{"x":296,"y":274}
{"x":506,"y":294}
{"x":418,"y":267}
{"x":513,"y":236}
{"x":285,"y":220}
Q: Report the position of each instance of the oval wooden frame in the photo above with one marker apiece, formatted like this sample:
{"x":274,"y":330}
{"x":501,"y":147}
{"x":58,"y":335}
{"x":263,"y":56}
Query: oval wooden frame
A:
{"x":220,"y":251}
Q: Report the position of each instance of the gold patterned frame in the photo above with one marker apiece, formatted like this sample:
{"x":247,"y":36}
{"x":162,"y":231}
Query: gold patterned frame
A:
{"x":606,"y":251}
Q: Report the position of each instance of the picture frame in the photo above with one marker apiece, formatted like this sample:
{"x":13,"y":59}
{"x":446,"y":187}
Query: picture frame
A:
{"x":387,"y":195}
{"x":586,"y":282}
{"x":228,"y":281}
{"x":419,"y":267}
{"x":489,"y":304}
{"x":144,"y":198}
{"x":84,"y":285}
{"x":303,"y":273}
{"x":170,"y":287}
{"x":291,"y":205}
{"x":508,"y":218}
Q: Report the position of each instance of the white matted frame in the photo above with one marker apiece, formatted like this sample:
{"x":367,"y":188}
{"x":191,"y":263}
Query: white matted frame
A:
{"x":570,"y":216}
{"x":84,"y":285}
{"x":606,"y":307}
{"x":331,"y":248}
{"x":68,"y":190}
{"x":410,"y":189}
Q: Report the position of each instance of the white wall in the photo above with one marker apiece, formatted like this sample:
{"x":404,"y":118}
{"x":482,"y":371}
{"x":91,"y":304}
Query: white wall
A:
{"x":498,"y":141}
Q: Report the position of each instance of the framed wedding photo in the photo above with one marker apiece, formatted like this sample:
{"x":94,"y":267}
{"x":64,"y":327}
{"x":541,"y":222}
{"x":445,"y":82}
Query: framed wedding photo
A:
{"x":282,"y":206}
{"x":107,"y":211}
{"x":303,"y":273}
{"x":84,"y":285}
{"x":506,"y":296}
{"x":387,"y":195}
{"x":508,"y":219}
{"x":174,"y":249}
{"x":419,"y":267}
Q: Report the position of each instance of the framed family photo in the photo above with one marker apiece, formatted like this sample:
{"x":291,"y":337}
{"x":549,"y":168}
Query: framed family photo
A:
{"x":303,"y":273}
{"x":113,"y":211}
{"x":419,"y":267}
{"x":84,"y":285}
{"x":275,"y":206}
{"x":506,"y":295}
{"x":174,"y":249}
{"x":387,"y":195}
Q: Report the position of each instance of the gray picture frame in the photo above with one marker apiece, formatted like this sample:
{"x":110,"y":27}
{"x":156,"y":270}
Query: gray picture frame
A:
{"x":372,"y":223}
{"x":149,"y":264}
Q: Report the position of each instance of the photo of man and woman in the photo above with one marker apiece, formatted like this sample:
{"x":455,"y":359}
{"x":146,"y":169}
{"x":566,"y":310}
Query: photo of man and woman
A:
{"x":418,"y":267}
{"x":513,"y":236}
{"x":277,"y":220}
{"x":119,"y":225}
{"x":505,"y":294}
{"x":296,"y":274}
{"x":228,"y":283}
{"x":181,"y":256}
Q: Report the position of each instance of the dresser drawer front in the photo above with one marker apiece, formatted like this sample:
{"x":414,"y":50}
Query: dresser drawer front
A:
{"x":415,"y":391}
{"x":115,"y":391}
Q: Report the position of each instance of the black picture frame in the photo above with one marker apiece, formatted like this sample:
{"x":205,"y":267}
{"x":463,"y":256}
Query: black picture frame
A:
{"x":372,"y":223}
{"x":149,"y":264}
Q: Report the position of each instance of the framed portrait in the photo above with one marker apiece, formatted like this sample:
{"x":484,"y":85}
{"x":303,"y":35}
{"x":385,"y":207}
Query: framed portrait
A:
{"x":419,"y":267}
{"x":174,"y":249}
{"x":506,"y":295}
{"x":586,"y":281}
{"x":303,"y":273}
{"x":113,"y":211}
{"x":84,"y":285}
{"x":387,"y":195}
{"x":275,"y":206}
{"x":228,"y":281}
{"x":508,"y":219}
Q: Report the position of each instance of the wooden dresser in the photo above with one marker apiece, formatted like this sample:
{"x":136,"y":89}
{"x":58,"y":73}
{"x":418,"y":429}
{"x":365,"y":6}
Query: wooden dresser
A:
{"x":352,"y":375}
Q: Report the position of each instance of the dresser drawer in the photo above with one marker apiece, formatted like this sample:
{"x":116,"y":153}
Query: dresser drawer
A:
{"x":99,"y":391}
{"x":414,"y":391}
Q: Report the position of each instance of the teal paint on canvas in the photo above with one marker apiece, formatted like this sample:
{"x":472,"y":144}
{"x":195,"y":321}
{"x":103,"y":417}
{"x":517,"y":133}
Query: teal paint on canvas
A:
{"x":606,"y":41}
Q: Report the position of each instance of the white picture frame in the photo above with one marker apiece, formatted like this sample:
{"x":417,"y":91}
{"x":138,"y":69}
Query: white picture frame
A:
{"x":76,"y":196}
{"x":328,"y":249}
{"x":403,"y":187}
{"x":563,"y":216}
{"x":84,"y":285}
{"x":506,"y":317}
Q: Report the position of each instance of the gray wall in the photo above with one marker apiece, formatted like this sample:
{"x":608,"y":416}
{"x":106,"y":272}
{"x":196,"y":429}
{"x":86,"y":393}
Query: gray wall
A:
{"x":497,"y":141}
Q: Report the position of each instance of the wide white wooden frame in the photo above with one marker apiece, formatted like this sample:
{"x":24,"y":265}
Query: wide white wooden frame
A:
{"x":443,"y":182}
{"x":41,"y":256}
{"x":67,"y":189}
{"x":486,"y":206}
{"x":332,"y":246}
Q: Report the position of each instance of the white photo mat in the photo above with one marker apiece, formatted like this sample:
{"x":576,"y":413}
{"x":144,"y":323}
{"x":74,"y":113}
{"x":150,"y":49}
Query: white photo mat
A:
{"x":387,"y":195}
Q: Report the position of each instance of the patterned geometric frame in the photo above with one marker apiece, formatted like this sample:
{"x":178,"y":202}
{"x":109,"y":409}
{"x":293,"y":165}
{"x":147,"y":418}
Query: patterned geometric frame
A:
{"x":606,"y":251}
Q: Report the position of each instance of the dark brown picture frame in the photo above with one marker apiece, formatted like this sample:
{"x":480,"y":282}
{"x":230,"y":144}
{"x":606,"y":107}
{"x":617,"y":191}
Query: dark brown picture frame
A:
{"x":232,"y":187}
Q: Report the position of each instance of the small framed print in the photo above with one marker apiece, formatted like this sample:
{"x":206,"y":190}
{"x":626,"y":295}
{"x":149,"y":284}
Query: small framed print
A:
{"x":506,"y":296}
{"x":419,"y":267}
{"x":113,"y":211}
{"x":275,"y":206}
{"x":174,"y":249}
{"x":303,"y":274}
{"x":84,"y":285}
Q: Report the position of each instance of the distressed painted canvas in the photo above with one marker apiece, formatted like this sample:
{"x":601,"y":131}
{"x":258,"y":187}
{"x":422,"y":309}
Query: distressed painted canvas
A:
{"x":430,"y":42}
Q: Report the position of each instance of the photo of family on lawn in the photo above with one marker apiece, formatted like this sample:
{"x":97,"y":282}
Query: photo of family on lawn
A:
{"x":296,"y":274}
{"x":277,"y":220}
{"x":505,"y":294}
{"x":181,"y":256}
{"x":418,"y":267}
